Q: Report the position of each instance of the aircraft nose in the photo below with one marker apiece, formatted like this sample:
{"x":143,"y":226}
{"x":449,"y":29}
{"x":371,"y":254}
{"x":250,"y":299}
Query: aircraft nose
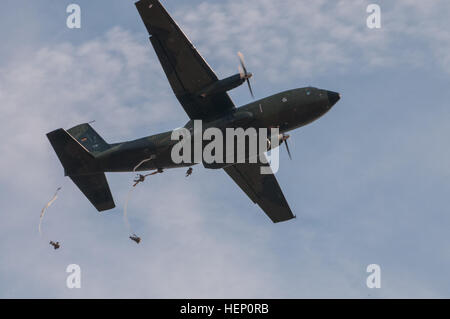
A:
{"x":333,"y":97}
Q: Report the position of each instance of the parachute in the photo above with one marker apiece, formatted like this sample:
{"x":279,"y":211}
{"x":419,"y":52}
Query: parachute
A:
{"x":47,"y":206}
{"x":139,"y":179}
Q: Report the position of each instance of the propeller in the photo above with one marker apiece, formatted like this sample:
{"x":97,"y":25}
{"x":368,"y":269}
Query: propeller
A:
{"x":285,"y":138}
{"x":244,"y":74}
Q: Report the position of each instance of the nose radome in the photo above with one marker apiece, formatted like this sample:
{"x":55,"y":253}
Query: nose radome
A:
{"x":333,"y":97}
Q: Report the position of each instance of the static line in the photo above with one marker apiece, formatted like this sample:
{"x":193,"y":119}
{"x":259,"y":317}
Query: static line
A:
{"x":47,"y":206}
{"x":142,"y":162}
{"x":125,"y":207}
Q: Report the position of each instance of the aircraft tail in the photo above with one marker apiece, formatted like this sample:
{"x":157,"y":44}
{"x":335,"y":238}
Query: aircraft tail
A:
{"x":80,"y":163}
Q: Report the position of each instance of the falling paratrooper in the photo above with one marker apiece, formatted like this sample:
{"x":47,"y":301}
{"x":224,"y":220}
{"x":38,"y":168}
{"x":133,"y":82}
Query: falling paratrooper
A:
{"x":141,"y":178}
{"x":55,"y":245}
{"x":135,"y":238}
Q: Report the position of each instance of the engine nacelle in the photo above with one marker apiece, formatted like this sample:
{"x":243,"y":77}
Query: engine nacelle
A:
{"x":281,"y":139}
{"x":224,"y":85}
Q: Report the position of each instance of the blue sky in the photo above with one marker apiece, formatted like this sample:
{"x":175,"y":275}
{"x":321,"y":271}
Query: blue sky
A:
{"x":368,"y":181}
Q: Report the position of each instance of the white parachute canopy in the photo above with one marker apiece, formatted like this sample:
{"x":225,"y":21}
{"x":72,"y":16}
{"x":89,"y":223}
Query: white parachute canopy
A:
{"x":47,"y":206}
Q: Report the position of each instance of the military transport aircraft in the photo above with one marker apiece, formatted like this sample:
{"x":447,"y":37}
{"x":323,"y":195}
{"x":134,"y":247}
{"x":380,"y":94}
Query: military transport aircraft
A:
{"x":86,"y":157}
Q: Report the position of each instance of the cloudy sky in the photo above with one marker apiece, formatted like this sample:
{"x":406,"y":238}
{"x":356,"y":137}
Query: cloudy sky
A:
{"x":369,"y":181}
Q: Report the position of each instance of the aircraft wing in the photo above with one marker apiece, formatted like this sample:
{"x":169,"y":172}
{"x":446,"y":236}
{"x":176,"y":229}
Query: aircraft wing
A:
{"x":186,"y":70}
{"x":263,"y":190}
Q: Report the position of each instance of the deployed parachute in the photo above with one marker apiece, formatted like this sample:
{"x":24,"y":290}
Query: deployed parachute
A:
{"x":139,"y":179}
{"x":47,"y":206}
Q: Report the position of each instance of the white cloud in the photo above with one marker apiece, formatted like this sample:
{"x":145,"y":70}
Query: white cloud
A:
{"x":300,"y":39}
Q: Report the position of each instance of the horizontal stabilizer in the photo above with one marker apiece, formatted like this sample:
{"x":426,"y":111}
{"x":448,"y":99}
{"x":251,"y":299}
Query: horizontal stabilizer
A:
{"x":95,"y":188}
{"x":74,"y":157}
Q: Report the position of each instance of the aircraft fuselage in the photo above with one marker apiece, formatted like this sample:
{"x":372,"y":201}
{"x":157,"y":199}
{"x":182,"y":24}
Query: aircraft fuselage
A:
{"x":286,"y":110}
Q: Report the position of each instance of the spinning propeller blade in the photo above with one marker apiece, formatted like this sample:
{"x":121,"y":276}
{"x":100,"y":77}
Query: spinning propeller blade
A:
{"x":244,"y":74}
{"x":285,"y":138}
